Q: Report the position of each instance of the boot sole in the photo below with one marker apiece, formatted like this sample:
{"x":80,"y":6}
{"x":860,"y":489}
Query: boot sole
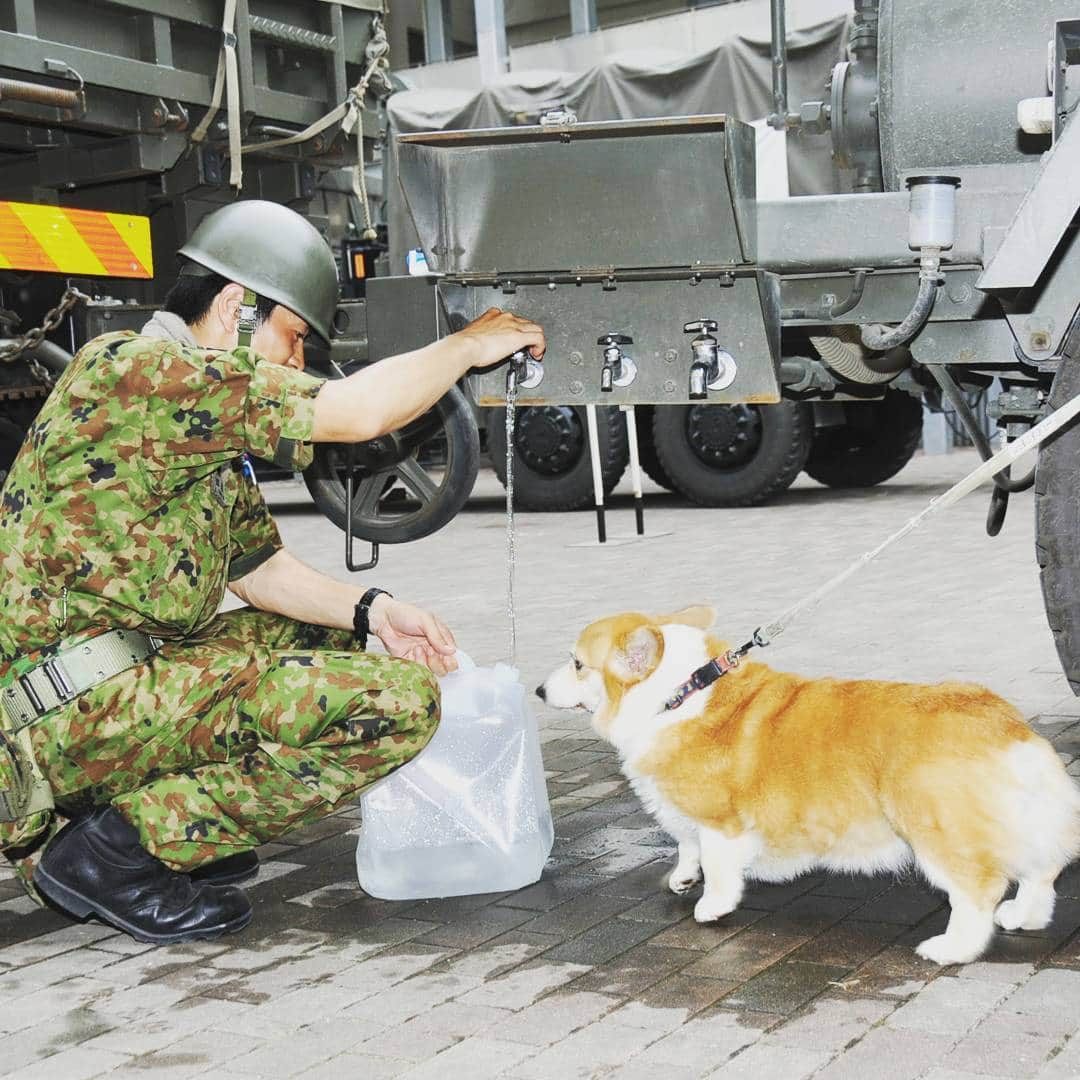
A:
{"x":82,"y":908}
{"x":226,"y":879}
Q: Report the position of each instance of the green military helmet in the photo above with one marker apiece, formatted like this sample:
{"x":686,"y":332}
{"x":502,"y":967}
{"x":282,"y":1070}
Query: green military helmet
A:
{"x":274,"y":251}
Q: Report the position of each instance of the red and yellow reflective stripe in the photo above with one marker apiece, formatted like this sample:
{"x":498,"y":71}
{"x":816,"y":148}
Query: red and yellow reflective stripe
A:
{"x":62,"y":240}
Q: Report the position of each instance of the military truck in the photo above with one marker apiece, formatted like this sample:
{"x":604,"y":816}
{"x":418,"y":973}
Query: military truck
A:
{"x":119,"y":132}
{"x":952,"y":262}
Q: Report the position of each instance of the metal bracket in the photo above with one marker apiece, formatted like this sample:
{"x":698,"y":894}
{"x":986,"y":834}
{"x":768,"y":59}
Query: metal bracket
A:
{"x":1041,"y":220}
{"x":350,"y":563}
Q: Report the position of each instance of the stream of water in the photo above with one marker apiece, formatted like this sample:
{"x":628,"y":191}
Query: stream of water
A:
{"x":511,"y":536}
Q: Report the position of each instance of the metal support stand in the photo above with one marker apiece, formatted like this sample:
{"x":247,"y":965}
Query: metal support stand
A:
{"x":597,"y":474}
{"x":350,"y":478}
{"x":635,"y":469}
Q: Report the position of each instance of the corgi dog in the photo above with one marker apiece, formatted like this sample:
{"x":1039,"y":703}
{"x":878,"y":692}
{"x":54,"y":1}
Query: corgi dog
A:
{"x":767,"y":775}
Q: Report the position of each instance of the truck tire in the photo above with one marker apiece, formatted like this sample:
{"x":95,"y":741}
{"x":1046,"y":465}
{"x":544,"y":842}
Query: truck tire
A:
{"x":733,"y":455}
{"x":1057,"y":527}
{"x":412,"y":482}
{"x":552,"y":466}
{"x":877,"y":441}
{"x":643,"y":414}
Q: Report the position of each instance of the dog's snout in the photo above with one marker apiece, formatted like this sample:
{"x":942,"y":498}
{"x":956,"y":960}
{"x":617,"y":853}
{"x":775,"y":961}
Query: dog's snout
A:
{"x":541,"y":693}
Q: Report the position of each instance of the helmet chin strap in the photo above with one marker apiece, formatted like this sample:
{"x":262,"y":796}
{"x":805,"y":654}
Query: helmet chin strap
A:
{"x":246,"y":324}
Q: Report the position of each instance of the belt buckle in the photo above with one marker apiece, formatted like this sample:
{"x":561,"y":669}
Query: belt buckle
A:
{"x":31,"y":695}
{"x":57,"y":675}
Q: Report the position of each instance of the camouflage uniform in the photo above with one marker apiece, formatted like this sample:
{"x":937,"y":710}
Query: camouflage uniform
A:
{"x":128,"y":507}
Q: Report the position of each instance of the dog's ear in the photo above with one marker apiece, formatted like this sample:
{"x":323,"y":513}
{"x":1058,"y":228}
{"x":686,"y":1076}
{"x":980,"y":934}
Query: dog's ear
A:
{"x":700,"y":616}
{"x":637,"y":654}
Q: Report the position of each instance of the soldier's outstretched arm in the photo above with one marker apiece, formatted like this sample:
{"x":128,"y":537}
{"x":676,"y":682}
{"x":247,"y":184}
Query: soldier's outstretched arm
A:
{"x":387,"y":395}
{"x":286,"y":586}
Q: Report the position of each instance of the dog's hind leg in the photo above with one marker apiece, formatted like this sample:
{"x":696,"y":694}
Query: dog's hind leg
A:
{"x":973,"y":892}
{"x":724,"y":861}
{"x":1041,"y":820}
{"x":1031,"y":909}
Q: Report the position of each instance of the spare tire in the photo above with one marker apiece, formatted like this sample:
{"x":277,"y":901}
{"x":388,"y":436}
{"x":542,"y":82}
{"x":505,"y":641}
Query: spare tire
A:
{"x":733,"y":455}
{"x":552,"y":466}
{"x":876,"y":442}
{"x":411,"y":482}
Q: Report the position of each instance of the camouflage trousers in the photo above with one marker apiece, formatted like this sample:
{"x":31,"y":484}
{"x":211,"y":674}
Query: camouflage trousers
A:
{"x":227,"y":740}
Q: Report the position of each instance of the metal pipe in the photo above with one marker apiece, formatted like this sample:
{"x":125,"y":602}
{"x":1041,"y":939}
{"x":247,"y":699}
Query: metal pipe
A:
{"x":826,"y":313}
{"x":15,"y":90}
{"x":635,"y":468}
{"x":778,"y":119}
{"x":880,"y":337}
{"x":956,"y":398}
{"x":597,"y":473}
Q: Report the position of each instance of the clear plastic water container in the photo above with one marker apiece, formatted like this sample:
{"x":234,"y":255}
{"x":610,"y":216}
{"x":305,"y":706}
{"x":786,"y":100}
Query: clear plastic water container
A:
{"x":470,"y":814}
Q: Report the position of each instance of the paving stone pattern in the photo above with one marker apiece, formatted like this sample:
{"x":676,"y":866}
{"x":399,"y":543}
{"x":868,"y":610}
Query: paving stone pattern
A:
{"x":596,"y":970}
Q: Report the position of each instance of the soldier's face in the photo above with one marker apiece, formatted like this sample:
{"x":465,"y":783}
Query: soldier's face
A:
{"x":280,"y":339}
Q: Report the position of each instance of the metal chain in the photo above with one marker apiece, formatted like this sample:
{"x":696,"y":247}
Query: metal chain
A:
{"x":10,"y":351}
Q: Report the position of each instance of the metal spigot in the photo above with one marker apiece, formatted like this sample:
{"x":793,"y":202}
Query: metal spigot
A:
{"x":524,"y":371}
{"x":618,"y":369}
{"x":698,"y":374}
{"x":712,"y":368}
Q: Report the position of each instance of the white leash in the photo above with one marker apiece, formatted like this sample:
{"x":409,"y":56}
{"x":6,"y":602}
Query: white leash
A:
{"x":1031,"y":438}
{"x":719,"y":666}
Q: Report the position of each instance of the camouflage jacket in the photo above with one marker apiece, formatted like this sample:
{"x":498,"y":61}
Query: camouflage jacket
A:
{"x":128,"y":505}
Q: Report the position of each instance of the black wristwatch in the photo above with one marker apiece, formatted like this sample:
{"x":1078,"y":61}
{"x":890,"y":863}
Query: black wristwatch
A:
{"x":360,"y":627}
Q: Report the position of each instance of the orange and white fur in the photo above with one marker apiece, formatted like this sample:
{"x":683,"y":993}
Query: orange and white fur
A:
{"x":766,"y":775}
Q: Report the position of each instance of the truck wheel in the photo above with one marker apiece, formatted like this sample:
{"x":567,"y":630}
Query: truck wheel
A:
{"x":410,"y":482}
{"x":733,"y":455}
{"x":647,"y":448}
{"x":1057,"y":527}
{"x":552,"y":467}
{"x":874,"y":444}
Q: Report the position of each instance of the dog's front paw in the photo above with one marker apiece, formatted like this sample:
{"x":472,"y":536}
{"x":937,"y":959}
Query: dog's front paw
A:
{"x":712,"y":907}
{"x":683,"y":879}
{"x":942,"y":950}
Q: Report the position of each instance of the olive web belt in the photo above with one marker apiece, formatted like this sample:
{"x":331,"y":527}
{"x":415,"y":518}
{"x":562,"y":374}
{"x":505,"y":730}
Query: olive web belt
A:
{"x":63,"y":677}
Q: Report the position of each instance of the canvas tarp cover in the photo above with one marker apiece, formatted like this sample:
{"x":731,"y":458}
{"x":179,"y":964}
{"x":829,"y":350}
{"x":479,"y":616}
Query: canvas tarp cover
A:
{"x":733,"y":77}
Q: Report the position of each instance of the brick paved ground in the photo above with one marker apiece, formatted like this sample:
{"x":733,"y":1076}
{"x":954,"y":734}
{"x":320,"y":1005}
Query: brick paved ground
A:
{"x":596,"y":970}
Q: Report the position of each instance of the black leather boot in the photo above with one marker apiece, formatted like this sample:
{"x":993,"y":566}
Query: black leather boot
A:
{"x":97,"y":866}
{"x":228,"y":871}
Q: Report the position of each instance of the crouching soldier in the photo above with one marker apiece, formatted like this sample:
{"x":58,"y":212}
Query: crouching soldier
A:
{"x":175,"y":739}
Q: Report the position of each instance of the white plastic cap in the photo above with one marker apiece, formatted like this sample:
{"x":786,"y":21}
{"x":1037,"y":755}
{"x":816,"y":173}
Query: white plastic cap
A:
{"x":1036,"y":115}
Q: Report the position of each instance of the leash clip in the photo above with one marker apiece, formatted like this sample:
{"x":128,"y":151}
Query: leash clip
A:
{"x":704,"y":677}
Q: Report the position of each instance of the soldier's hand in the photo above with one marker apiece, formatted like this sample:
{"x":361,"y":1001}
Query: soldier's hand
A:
{"x":410,"y":633}
{"x":496,"y":334}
